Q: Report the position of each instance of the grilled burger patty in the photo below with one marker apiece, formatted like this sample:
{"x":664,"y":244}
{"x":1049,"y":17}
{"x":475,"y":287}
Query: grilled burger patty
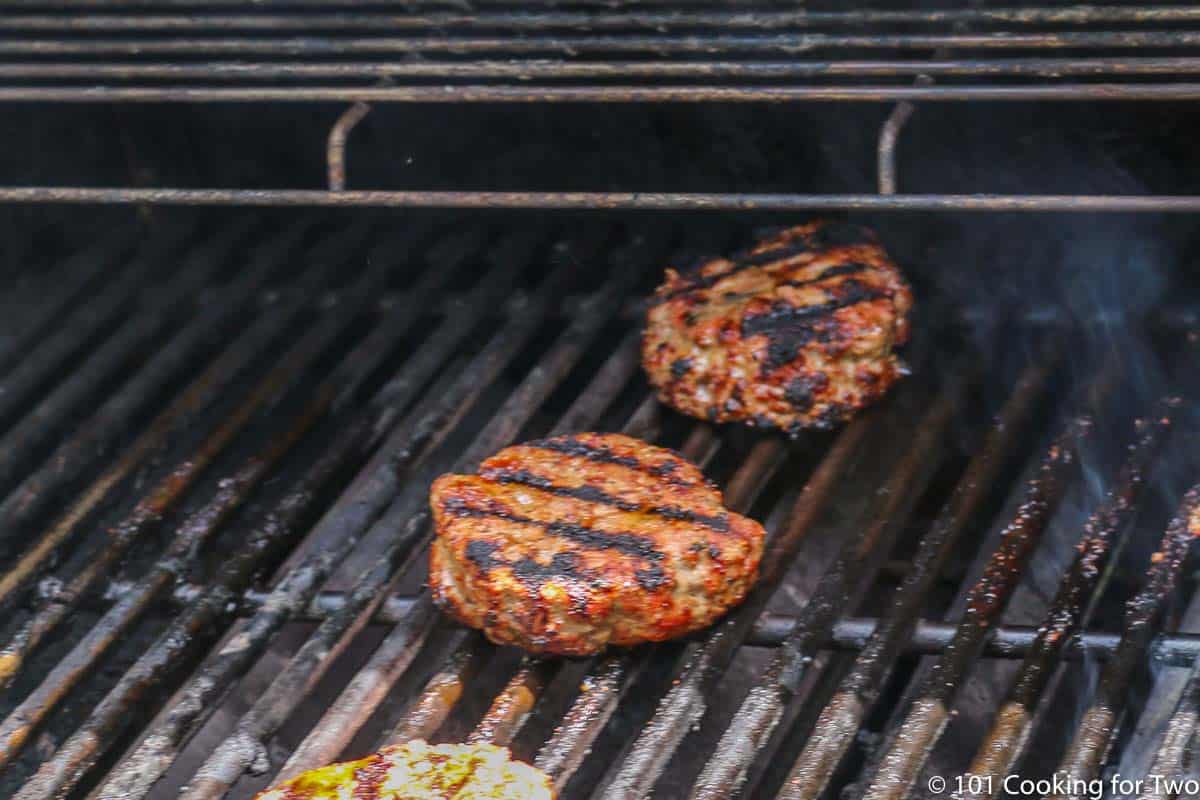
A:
{"x":797,"y":332}
{"x":418,"y":771}
{"x":568,"y":544}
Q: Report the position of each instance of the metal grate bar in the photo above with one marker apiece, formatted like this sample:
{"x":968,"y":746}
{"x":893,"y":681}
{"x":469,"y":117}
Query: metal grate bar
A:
{"x":1171,"y":759}
{"x":847,"y":576}
{"x":608,"y":679}
{"x":154,"y":505}
{"x":1091,"y":744}
{"x":907,"y":746}
{"x":483,"y":93}
{"x":642,"y":201}
{"x":765,"y":18}
{"x":552,"y":69}
{"x":358,"y":701}
{"x":203,"y":524}
{"x":60,"y":406}
{"x":87,"y":325}
{"x":111,"y":716}
{"x":204,"y":390}
{"x":287,"y":374}
{"x":928,"y":637}
{"x":608,"y":44}
{"x":338,"y":533}
{"x":332,"y":392}
{"x":841,"y":718}
{"x":83,"y":271}
{"x":1008,"y":737}
{"x":488,"y":8}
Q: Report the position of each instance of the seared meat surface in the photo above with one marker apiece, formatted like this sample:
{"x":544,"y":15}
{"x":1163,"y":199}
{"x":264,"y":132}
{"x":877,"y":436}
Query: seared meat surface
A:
{"x":419,"y":771}
{"x":568,"y":544}
{"x":797,"y":332}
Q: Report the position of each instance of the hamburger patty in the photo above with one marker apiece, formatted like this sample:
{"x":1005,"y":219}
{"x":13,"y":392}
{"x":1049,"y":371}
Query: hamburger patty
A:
{"x":797,"y":332}
{"x":418,"y":771}
{"x":568,"y":544}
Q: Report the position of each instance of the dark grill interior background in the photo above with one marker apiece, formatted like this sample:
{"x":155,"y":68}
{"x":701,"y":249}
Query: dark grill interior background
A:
{"x":220,"y":396}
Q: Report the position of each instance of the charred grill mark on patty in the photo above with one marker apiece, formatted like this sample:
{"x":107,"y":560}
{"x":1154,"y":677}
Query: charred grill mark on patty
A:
{"x":853,"y":268}
{"x":680,"y":367}
{"x":482,"y":553}
{"x":799,"y":393}
{"x":789,"y":328}
{"x":738,"y":262}
{"x":593,"y":494}
{"x":651,"y":578}
{"x":630,"y":544}
{"x":563,"y":566}
{"x":572,"y":446}
{"x":748,"y":258}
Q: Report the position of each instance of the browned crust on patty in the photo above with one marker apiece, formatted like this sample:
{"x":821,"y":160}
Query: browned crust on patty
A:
{"x":568,"y":544}
{"x":797,"y":332}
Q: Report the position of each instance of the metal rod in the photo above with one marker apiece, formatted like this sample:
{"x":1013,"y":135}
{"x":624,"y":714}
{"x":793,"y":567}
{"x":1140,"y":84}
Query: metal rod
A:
{"x":512,"y":707}
{"x":82,"y":271}
{"x":767,"y":19}
{"x":438,"y":697}
{"x":402,"y":527}
{"x":659,"y":44}
{"x":170,"y":489}
{"x":907,"y":746}
{"x":338,"y":533}
{"x":207,"y":387}
{"x":609,"y":677}
{"x":486,"y":93}
{"x":889,"y":134}
{"x":637,"y":15}
{"x":90,"y":323}
{"x":1009,"y":735}
{"x":355,"y":439}
{"x":928,"y":637}
{"x":362,"y":360}
{"x":554,"y":68}
{"x":195,"y":531}
{"x":858,"y":691}
{"x":115,"y":416}
{"x":1171,"y":757}
{"x":189,"y":632}
{"x":663,"y":201}
{"x":63,"y":403}
{"x":370,"y":685}
{"x":335,"y":149}
{"x":847,"y":577}
{"x":1096,"y":729}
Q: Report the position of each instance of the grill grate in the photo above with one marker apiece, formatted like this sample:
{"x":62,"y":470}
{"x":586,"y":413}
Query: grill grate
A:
{"x":134,"y":657}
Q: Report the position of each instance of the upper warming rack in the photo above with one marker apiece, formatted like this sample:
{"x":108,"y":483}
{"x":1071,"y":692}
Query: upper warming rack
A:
{"x":615,"y":51}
